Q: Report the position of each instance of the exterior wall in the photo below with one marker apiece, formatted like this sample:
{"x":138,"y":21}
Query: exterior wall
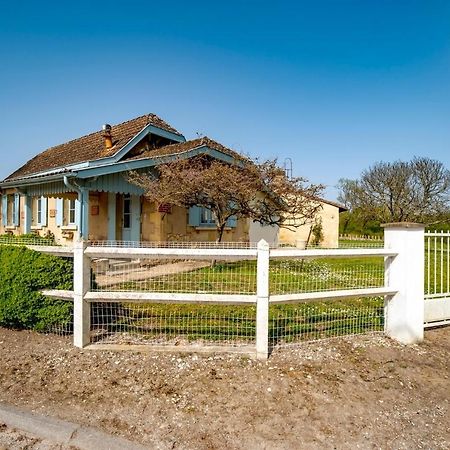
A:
{"x":173,"y":226}
{"x":329,"y":215}
{"x":98,"y":216}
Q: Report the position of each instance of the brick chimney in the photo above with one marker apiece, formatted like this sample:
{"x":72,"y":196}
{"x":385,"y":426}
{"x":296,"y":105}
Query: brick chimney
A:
{"x":107,"y":136}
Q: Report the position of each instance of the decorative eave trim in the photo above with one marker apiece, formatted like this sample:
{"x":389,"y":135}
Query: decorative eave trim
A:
{"x":123,"y":166}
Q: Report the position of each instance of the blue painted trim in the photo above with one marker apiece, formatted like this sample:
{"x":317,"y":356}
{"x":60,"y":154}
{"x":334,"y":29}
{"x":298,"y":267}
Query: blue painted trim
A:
{"x":194,"y":216}
{"x":28,"y":214}
{"x":43,"y":212}
{"x":4,"y":210}
{"x":83,"y":216}
{"x":124,"y":166}
{"x":16,"y":215}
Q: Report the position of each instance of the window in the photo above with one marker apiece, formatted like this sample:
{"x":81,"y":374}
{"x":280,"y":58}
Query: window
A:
{"x":202,"y":217}
{"x":39,"y":212}
{"x":10,"y":210}
{"x":206,"y":217}
{"x":66,"y":212}
{"x":127,"y":211}
{"x":71,"y":210}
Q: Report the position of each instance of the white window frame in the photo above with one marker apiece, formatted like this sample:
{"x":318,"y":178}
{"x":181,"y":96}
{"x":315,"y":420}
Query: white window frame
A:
{"x":71,"y":211}
{"x":207,"y":217}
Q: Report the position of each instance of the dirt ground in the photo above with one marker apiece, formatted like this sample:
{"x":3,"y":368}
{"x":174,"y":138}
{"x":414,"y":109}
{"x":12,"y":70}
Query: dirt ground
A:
{"x":12,"y":439}
{"x":359,"y":392}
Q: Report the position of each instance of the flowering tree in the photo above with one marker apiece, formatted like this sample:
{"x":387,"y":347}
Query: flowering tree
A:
{"x":246,"y":189}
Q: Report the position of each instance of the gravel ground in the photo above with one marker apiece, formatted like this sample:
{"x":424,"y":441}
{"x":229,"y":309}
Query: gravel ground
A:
{"x":359,"y":392}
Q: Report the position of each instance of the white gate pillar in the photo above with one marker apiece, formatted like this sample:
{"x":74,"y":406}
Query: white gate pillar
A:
{"x":404,"y":311}
{"x":81,"y":307}
{"x":262,"y":301}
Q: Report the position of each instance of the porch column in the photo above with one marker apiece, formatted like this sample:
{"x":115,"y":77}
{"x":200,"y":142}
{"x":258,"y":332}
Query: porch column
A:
{"x":83,"y":217}
{"x":111,"y":216}
{"x":28,"y":212}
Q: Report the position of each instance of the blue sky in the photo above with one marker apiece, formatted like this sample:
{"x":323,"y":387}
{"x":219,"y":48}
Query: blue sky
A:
{"x":333,"y":85}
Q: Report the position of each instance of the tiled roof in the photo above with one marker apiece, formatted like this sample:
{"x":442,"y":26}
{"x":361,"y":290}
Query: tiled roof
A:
{"x":89,"y":147}
{"x":186,"y":146}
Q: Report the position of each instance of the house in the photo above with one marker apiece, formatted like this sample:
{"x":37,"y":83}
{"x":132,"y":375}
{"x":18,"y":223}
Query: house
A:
{"x":80,"y":189}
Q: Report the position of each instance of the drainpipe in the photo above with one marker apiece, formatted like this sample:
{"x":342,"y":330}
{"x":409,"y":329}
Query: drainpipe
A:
{"x":81,"y":198}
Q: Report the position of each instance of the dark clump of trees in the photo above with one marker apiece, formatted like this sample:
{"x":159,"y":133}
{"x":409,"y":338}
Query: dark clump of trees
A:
{"x":259,"y":191}
{"x":412,"y":191}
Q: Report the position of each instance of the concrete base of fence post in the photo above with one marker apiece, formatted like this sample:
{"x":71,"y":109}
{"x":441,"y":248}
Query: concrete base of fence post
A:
{"x":262,"y":303}
{"x":81,"y":308}
{"x":404,"y":311}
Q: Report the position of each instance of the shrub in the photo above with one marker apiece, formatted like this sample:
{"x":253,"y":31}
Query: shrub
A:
{"x":23,"y":273}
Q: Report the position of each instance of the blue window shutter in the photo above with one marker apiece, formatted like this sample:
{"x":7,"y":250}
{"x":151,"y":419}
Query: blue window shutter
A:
{"x":44,"y":212}
{"x":232,"y":222}
{"x":4,"y":210}
{"x":194,"y":216}
{"x":59,"y":211}
{"x":16,"y":217}
{"x":78,"y":213}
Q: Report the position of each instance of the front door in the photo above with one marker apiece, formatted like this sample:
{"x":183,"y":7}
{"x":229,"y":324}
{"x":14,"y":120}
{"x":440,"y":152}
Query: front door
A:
{"x":126,"y":218}
{"x":131,"y":218}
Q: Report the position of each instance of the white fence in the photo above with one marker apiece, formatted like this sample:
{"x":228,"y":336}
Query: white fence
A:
{"x":400,"y":281}
{"x":437,"y":278}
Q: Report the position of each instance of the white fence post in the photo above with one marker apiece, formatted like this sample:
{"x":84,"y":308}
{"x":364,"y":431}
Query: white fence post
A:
{"x":404,"y":311}
{"x":81,"y":308}
{"x":262,"y":302}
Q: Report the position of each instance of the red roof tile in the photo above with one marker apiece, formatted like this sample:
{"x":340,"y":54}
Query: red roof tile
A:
{"x":90,"y":147}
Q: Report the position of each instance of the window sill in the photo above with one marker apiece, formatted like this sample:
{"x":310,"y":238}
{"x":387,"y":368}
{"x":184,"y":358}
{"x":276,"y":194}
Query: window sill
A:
{"x":210,"y":227}
{"x":69,"y":228}
{"x":36,"y":227}
{"x":10,"y":227}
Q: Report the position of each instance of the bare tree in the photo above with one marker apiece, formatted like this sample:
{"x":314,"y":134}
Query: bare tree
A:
{"x":399,"y":191}
{"x":246,"y":189}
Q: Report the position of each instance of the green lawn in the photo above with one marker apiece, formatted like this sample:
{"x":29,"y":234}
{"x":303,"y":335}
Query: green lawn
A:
{"x":286,"y":276}
{"x":237,"y":324}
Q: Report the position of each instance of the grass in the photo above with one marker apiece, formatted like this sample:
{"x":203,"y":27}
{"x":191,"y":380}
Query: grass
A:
{"x":285,"y":276}
{"x":237,"y":324}
{"x":437,"y":268}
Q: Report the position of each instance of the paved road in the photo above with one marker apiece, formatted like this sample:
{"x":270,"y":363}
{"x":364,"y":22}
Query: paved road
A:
{"x":23,"y":429}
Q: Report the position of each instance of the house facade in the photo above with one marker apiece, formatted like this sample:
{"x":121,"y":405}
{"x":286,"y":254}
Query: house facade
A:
{"x":80,"y":189}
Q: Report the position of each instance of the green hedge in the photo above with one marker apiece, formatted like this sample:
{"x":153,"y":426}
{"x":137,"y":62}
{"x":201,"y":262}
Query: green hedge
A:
{"x":23,"y":273}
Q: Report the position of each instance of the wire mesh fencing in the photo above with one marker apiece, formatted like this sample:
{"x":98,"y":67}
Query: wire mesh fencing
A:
{"x":172,"y":324}
{"x":27,"y":239}
{"x":296,"y":323}
{"x":357,"y":241}
{"x":437,"y":264}
{"x":297,"y":275}
{"x":176,"y":275}
{"x":58,"y":317}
